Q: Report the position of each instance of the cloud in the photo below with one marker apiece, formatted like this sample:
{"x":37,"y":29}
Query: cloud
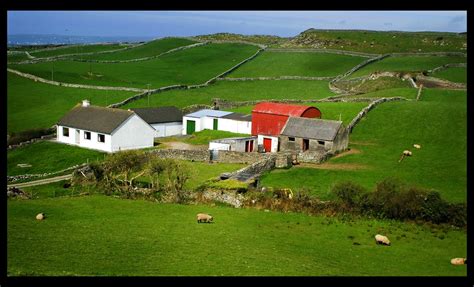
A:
{"x":458,"y":19}
{"x":387,"y":24}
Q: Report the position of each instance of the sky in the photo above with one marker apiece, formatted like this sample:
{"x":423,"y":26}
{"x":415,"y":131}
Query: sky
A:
{"x":192,"y":23}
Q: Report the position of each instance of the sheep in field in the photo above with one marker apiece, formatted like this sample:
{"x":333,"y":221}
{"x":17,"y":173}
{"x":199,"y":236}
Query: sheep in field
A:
{"x":380,"y":239}
{"x":40,"y":216}
{"x":203,"y":217}
{"x":417,"y":146}
{"x":458,"y":261}
{"x":404,"y":154}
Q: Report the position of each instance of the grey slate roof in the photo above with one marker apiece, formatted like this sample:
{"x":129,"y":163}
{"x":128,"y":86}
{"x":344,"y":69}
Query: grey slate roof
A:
{"x":238,"y":117}
{"x":159,"y":115}
{"x":311,"y":128}
{"x":94,"y":118}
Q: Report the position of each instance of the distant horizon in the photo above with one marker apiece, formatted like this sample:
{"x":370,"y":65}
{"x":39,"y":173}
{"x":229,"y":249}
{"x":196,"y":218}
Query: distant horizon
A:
{"x":193,"y":23}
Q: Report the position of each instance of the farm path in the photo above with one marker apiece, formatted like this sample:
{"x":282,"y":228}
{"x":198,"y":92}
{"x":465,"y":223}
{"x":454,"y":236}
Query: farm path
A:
{"x":41,"y":181}
{"x":351,"y":151}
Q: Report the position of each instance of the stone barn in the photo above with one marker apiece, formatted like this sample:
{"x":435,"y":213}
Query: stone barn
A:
{"x":268,"y":120}
{"x":303,"y":134}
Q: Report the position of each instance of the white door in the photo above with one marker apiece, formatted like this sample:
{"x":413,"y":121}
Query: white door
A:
{"x":78,"y":136}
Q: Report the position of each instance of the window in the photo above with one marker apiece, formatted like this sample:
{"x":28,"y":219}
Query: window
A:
{"x":291,"y":139}
{"x":101,"y":138}
{"x":65,"y":132}
{"x":305,"y":144}
{"x":321,"y":142}
{"x":87,"y":135}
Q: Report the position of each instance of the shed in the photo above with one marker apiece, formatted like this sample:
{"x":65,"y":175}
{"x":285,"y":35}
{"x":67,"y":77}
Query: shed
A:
{"x":304,"y":134}
{"x":167,"y":121}
{"x":268,"y":120}
{"x":104,"y":129}
{"x":216,"y":120}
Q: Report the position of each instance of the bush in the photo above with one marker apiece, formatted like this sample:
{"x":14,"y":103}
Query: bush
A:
{"x":16,"y":138}
{"x":349,"y":194}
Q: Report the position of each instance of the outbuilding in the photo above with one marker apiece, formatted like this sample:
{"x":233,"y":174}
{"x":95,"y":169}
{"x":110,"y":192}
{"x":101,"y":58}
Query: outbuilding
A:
{"x":268,"y":120}
{"x":216,"y":120}
{"x":304,"y":134}
{"x":167,"y":121}
{"x":104,"y":129}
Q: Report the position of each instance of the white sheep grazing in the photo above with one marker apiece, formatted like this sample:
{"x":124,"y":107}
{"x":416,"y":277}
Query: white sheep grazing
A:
{"x":417,"y":146}
{"x":203,"y":217}
{"x":458,"y":261}
{"x":407,"y":153}
{"x":380,"y":239}
{"x":40,"y":216}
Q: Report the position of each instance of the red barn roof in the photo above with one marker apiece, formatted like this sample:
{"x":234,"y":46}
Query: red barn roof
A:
{"x":281,"y":109}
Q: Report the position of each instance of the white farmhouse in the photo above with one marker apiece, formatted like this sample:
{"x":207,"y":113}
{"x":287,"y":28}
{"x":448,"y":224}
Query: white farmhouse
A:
{"x":167,"y":121}
{"x":216,"y":120}
{"x":104,"y":129}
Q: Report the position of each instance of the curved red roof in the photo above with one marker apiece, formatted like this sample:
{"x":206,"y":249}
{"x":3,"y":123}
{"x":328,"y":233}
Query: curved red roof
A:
{"x":281,"y":109}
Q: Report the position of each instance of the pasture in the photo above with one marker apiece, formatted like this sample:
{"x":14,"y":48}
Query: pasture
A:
{"x":149,"y":49}
{"x":378,"y":141}
{"x":453,"y":74}
{"x":238,"y":91}
{"x":33,"y":104}
{"x":165,"y":240}
{"x":47,"y":156}
{"x":172,"y":69}
{"x":310,"y":64}
{"x":76,"y":49}
{"x":408,"y":64}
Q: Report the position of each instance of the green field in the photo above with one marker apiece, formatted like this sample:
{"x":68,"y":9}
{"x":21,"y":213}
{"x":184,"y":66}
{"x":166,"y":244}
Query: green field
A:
{"x":77,"y":49}
{"x":98,"y":235}
{"x":275,"y":64}
{"x":454,"y":74}
{"x":382,"y":136}
{"x":238,"y":91}
{"x":191,"y":66}
{"x":408,"y":93}
{"x":48,"y":157}
{"x":152,"y":48}
{"x":379,"y":42}
{"x":408,"y":64}
{"x":368,"y":85}
{"x":329,"y":110}
{"x":16,"y":57}
{"x":32,"y":104}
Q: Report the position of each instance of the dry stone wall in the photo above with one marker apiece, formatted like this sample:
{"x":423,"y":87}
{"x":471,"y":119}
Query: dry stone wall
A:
{"x":226,"y":156}
{"x":193,"y":155}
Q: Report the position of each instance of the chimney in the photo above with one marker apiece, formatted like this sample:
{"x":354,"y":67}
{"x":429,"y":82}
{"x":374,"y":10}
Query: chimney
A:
{"x":86,"y":103}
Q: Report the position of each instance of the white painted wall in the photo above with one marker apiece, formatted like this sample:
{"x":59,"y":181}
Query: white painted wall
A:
{"x":167,"y":129}
{"x":93,"y":143}
{"x":134,"y":133}
{"x":234,"y":126}
{"x":185,"y":122}
{"x":274,"y":142}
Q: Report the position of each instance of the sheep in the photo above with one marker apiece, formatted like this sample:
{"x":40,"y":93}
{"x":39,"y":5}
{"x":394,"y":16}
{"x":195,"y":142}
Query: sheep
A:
{"x":40,"y":216}
{"x":417,"y":146}
{"x":380,"y":239}
{"x":459,"y":261}
{"x":203,"y":217}
{"x":404,"y":154}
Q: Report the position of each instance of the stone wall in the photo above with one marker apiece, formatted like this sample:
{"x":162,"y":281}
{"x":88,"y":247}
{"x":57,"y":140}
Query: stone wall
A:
{"x":193,"y":155}
{"x":253,"y":170}
{"x":15,"y":178}
{"x":313,"y":156}
{"x":42,"y":138}
{"x":226,"y":156}
{"x":277,"y":78}
{"x":328,"y":51}
{"x":226,"y":196}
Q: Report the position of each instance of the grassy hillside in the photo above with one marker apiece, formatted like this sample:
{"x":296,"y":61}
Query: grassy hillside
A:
{"x":238,"y":91}
{"x":379,"y":42}
{"x":48,"y":157}
{"x":268,"y":40}
{"x":408,"y":64}
{"x":274,"y":64}
{"x":76,"y":49}
{"x":454,"y":74}
{"x":191,"y":66}
{"x":380,"y":138}
{"x":368,"y":85}
{"x":16,"y":57}
{"x":36,"y":105}
{"x":152,"y":48}
{"x":139,"y":238}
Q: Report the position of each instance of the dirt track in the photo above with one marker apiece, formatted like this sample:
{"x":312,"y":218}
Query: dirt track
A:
{"x":41,"y":181}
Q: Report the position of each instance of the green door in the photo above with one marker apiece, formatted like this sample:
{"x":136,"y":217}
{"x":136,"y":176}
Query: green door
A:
{"x":214,"y":126}
{"x":190,"y":127}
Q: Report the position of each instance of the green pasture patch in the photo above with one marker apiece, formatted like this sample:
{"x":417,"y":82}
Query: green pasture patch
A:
{"x":76,"y":49}
{"x":453,"y":74}
{"x":310,"y":64}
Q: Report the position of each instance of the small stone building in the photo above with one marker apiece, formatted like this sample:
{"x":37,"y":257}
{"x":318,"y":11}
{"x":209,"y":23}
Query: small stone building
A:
{"x":167,"y":121}
{"x":305,"y":134}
